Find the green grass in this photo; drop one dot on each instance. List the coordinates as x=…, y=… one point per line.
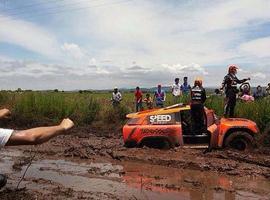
x=258, y=111
x=84, y=108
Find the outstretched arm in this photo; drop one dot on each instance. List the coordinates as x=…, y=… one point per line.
x=242, y=81
x=38, y=135
x=4, y=113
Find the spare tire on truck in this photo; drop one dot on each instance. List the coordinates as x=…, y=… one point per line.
x=239, y=140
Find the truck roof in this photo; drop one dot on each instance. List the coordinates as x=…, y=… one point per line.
x=160, y=111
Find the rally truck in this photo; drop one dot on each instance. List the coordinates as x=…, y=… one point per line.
x=172, y=126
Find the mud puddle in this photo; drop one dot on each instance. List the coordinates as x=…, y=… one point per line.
x=129, y=180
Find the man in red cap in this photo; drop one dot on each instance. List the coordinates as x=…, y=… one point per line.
x=230, y=84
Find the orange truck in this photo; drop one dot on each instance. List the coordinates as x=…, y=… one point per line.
x=172, y=126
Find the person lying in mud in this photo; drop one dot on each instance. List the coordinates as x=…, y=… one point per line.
x=9, y=137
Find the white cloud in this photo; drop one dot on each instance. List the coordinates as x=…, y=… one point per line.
x=203, y=32
x=130, y=42
x=259, y=75
x=258, y=47
x=73, y=50
x=235, y=14
x=92, y=61
x=29, y=36
x=9, y=68
x=184, y=69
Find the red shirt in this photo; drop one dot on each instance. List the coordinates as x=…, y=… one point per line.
x=138, y=95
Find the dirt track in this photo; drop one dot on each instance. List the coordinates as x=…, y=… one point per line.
x=84, y=165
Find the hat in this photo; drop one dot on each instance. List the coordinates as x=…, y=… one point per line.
x=232, y=67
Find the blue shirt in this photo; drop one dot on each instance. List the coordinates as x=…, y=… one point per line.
x=159, y=96
x=185, y=88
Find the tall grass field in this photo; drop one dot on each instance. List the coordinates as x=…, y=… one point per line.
x=86, y=107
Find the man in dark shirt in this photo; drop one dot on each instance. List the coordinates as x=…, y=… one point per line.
x=198, y=97
x=230, y=85
x=259, y=93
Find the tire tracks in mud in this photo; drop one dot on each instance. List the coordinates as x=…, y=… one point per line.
x=243, y=157
x=230, y=163
x=85, y=145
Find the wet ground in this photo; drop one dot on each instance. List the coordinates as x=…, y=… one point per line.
x=88, y=166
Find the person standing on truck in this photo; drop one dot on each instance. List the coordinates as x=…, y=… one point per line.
x=176, y=91
x=230, y=85
x=159, y=97
x=198, y=97
x=34, y=136
x=138, y=99
x=116, y=97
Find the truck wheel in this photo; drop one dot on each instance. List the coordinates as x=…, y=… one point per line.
x=130, y=144
x=239, y=140
x=157, y=143
x=167, y=145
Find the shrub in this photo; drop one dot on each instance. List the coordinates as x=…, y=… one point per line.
x=115, y=114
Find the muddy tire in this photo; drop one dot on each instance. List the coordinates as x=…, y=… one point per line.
x=239, y=140
x=130, y=144
x=167, y=145
x=157, y=143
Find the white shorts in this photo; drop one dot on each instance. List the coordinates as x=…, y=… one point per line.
x=4, y=136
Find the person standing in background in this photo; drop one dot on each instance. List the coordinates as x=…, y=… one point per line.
x=176, y=91
x=148, y=101
x=159, y=97
x=268, y=90
x=138, y=99
x=185, y=87
x=116, y=97
x=258, y=94
x=185, y=90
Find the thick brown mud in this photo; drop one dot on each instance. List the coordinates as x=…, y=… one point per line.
x=86, y=166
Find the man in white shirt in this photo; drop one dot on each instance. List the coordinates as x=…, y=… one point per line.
x=116, y=97
x=9, y=137
x=268, y=90
x=176, y=91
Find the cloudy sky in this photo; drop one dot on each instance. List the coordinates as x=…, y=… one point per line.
x=99, y=44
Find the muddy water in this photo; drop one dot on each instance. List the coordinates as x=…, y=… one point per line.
x=130, y=180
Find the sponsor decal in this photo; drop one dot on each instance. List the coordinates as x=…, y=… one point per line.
x=157, y=131
x=161, y=119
